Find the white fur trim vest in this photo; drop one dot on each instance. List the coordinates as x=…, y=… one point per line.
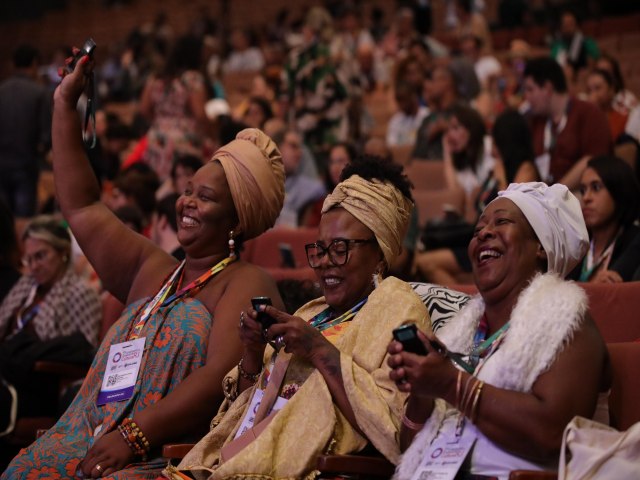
x=545, y=317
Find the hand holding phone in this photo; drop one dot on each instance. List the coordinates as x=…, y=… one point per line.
x=265, y=320
x=407, y=335
x=87, y=49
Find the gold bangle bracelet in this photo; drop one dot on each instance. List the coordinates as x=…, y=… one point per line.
x=411, y=425
x=473, y=416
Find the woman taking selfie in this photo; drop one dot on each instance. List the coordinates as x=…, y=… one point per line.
x=325, y=387
x=174, y=352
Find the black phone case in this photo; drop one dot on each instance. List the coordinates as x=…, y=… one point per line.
x=408, y=337
x=263, y=318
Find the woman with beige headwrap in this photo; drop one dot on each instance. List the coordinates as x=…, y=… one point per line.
x=322, y=385
x=158, y=373
x=529, y=358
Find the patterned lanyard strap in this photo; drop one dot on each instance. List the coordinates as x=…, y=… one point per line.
x=162, y=298
x=483, y=347
x=325, y=319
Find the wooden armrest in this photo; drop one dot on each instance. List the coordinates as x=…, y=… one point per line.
x=61, y=369
x=176, y=450
x=532, y=475
x=356, y=464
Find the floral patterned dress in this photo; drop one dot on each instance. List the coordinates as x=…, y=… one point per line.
x=176, y=344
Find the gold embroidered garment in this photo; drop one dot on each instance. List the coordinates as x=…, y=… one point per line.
x=310, y=424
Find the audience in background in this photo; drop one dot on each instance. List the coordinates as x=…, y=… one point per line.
x=25, y=132
x=243, y=56
x=601, y=92
x=173, y=101
x=571, y=46
x=566, y=131
x=301, y=191
x=441, y=94
x=404, y=124
x=49, y=314
x=610, y=200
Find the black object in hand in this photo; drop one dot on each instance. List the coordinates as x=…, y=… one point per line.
x=263, y=318
x=87, y=49
x=407, y=335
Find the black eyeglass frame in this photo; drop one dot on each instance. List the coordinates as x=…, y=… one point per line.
x=329, y=250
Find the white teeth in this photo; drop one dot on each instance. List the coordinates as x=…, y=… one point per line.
x=331, y=281
x=488, y=253
x=189, y=221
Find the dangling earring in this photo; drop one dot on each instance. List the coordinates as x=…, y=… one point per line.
x=377, y=278
x=232, y=245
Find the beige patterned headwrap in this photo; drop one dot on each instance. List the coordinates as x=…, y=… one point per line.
x=253, y=166
x=379, y=206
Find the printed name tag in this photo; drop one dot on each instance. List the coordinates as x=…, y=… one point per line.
x=250, y=416
x=445, y=456
x=121, y=372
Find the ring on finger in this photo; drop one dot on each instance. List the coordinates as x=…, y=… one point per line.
x=280, y=343
x=241, y=319
x=98, y=467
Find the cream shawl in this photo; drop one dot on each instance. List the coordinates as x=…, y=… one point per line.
x=547, y=314
x=310, y=424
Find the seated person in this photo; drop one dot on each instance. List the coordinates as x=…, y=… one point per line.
x=527, y=366
x=171, y=305
x=331, y=377
x=300, y=190
x=512, y=158
x=610, y=200
x=49, y=303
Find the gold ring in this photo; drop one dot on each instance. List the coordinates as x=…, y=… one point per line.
x=98, y=467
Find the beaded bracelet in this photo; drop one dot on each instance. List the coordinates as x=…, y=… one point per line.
x=251, y=377
x=134, y=438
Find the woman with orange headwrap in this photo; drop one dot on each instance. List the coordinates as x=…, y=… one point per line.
x=325, y=380
x=166, y=355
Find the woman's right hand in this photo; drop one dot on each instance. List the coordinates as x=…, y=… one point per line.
x=428, y=375
x=251, y=333
x=73, y=84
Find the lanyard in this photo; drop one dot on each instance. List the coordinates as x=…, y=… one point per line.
x=161, y=300
x=23, y=319
x=483, y=348
x=551, y=134
x=323, y=320
x=589, y=265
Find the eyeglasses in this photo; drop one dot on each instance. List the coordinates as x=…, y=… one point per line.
x=38, y=257
x=338, y=251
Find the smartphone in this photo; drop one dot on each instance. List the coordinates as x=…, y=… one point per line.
x=286, y=254
x=87, y=49
x=263, y=318
x=407, y=335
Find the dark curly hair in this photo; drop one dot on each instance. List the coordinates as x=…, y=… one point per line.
x=370, y=167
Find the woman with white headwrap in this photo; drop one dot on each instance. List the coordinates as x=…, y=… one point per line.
x=324, y=386
x=528, y=356
x=115, y=427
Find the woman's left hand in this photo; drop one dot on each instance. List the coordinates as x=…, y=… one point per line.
x=294, y=334
x=108, y=455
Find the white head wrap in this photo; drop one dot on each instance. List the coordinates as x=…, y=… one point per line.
x=556, y=217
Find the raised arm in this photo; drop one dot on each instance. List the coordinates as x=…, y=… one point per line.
x=100, y=234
